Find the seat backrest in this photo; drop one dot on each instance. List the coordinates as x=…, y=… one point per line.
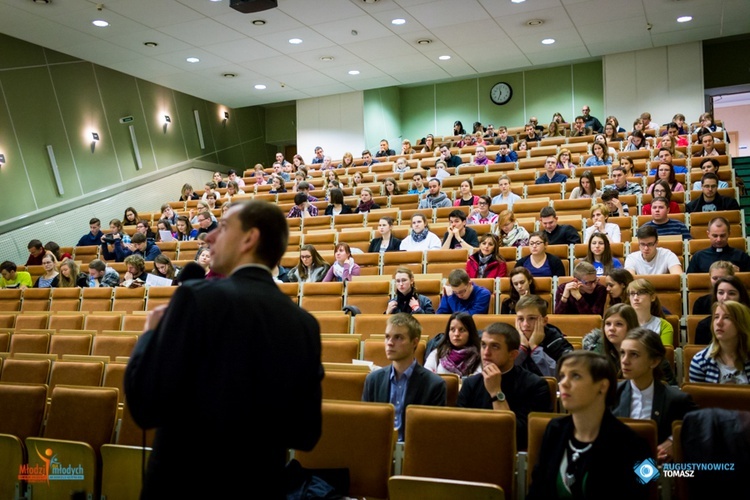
x=26, y=371
x=646, y=429
x=66, y=321
x=85, y=414
x=494, y=447
x=339, y=350
x=114, y=376
x=29, y=343
x=688, y=351
x=134, y=322
x=129, y=299
x=96, y=299
x=22, y=407
x=100, y=322
x=77, y=373
x=31, y=321
x=727, y=396
x=536, y=425
x=343, y=385
x=371, y=297
x=70, y=344
x=113, y=345
x=452, y=383
x=36, y=299
x=409, y=487
x=10, y=299
x=159, y=295
x=332, y=323
x=322, y=296
x=358, y=436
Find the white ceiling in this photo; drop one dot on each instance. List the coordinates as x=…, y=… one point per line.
x=481, y=36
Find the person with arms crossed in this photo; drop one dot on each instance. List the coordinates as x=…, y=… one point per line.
x=405, y=382
x=185, y=355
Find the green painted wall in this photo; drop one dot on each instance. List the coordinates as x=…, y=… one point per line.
x=281, y=125
x=49, y=98
x=542, y=92
x=382, y=109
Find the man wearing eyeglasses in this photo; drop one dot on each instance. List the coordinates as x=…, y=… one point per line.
x=583, y=295
x=651, y=259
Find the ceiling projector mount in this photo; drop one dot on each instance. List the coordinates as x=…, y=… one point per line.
x=250, y=6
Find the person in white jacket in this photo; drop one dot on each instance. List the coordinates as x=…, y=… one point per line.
x=420, y=237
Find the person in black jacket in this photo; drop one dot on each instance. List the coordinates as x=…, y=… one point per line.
x=407, y=299
x=590, y=453
x=337, y=205
x=386, y=242
x=710, y=200
x=557, y=234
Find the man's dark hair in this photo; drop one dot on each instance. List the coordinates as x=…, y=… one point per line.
x=8, y=266
x=501, y=143
x=460, y=214
x=94, y=221
x=661, y=199
x=534, y=301
x=509, y=333
x=300, y=198
x=709, y=175
x=35, y=244
x=609, y=194
x=436, y=180
x=458, y=277
x=599, y=367
x=673, y=125
x=713, y=161
x=619, y=168
x=274, y=231
x=303, y=185
x=547, y=212
x=138, y=238
x=366, y=152
x=663, y=149
x=581, y=117
x=97, y=265
x=647, y=232
x=231, y=171
x=719, y=220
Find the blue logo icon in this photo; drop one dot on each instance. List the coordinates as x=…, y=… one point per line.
x=646, y=471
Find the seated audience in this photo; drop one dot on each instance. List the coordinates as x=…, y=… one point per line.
x=564, y=160
x=502, y=385
x=642, y=297
x=390, y=187
x=539, y=262
x=600, y=156
x=166, y=226
x=71, y=275
x=642, y=395
x=611, y=199
x=663, y=224
x=12, y=278
x=718, y=235
x=302, y=207
x=617, y=283
x=435, y=198
x=343, y=267
x=164, y=268
x=505, y=154
x=723, y=289
x=481, y=214
x=506, y=196
x=466, y=198
x=662, y=190
x=586, y=187
x=404, y=382
x=719, y=269
x=136, y=271
x=144, y=248
x=665, y=171
x=599, y=217
x=583, y=295
x=116, y=245
x=557, y=234
x=458, y=235
x=101, y=275
x=386, y=242
x=312, y=268
x=458, y=349
x=420, y=237
x=710, y=165
x=650, y=258
x=588, y=453
x=94, y=236
x=337, y=205
x=130, y=217
x=203, y=259
x=187, y=193
x=599, y=255
x=710, y=200
x=184, y=230
x=551, y=175
x=366, y=202
x=617, y=321
x=512, y=233
x=407, y=299
x=487, y=262
x=461, y=295
x=521, y=284
x=36, y=253
x=727, y=359
x=542, y=344
x=385, y=150
x=51, y=277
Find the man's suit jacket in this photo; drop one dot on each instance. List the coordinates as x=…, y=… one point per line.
x=424, y=388
x=670, y=404
x=233, y=366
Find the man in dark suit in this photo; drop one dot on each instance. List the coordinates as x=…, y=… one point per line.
x=405, y=382
x=502, y=385
x=194, y=377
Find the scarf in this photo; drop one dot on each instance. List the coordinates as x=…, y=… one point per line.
x=365, y=206
x=514, y=237
x=459, y=360
x=338, y=269
x=417, y=237
x=402, y=301
x=483, y=261
x=434, y=200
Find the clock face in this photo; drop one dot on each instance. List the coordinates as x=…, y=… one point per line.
x=500, y=93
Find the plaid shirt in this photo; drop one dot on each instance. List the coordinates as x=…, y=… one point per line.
x=296, y=211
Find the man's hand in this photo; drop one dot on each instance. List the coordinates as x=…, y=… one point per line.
x=571, y=289
x=447, y=291
x=537, y=336
x=492, y=378
x=391, y=306
x=664, y=451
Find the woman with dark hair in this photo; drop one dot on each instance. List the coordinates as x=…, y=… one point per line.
x=481, y=214
x=277, y=185
x=636, y=141
x=724, y=288
x=487, y=262
x=407, y=299
x=312, y=268
x=557, y=117
x=164, y=268
x=661, y=189
x=642, y=296
x=586, y=187
x=521, y=284
x=617, y=321
x=642, y=395
x=458, y=128
x=458, y=351
x=113, y=244
x=727, y=359
x=539, y=262
x=51, y=277
x=71, y=275
x=610, y=132
x=589, y=453
x=184, y=230
x=390, y=187
x=554, y=130
x=599, y=255
x=665, y=171
x=337, y=205
x=429, y=144
x=466, y=197
x=719, y=269
x=599, y=157
x=187, y=193
x=164, y=225
x=386, y=242
x=617, y=284
x=343, y=267
x=130, y=217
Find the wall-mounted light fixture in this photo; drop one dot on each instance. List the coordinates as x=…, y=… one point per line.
x=94, y=140
x=2, y=159
x=167, y=119
x=226, y=117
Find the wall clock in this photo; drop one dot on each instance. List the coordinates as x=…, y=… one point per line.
x=501, y=93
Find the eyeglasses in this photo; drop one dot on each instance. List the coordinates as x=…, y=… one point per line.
x=535, y=243
x=647, y=245
x=584, y=282
x=305, y=256
x=636, y=294
x=482, y=203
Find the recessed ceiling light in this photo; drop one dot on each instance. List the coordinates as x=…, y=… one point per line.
x=192, y=59
x=260, y=86
x=548, y=41
x=326, y=58
x=150, y=44
x=228, y=75
x=444, y=58
x=517, y=1
x=684, y=19
x=424, y=41
x=534, y=22
x=398, y=21
x=354, y=72
x=100, y=23
x=295, y=41
x=216, y=0
x=259, y=22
